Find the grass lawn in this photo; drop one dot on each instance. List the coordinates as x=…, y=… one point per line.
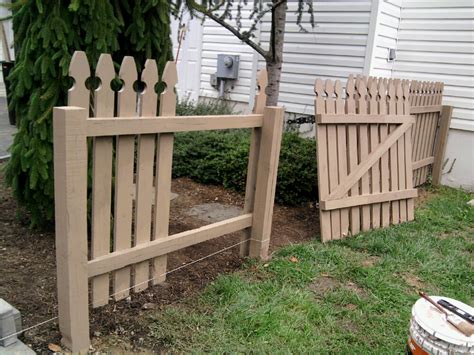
x=351, y=296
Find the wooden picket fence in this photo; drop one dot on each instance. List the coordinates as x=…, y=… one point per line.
x=364, y=155
x=132, y=147
x=430, y=131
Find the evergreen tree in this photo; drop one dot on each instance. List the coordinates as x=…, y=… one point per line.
x=46, y=35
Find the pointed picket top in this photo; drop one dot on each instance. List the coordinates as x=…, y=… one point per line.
x=104, y=98
x=406, y=97
x=149, y=97
x=329, y=88
x=319, y=88
x=373, y=93
x=261, y=96
x=440, y=92
x=338, y=90
x=361, y=96
x=79, y=70
x=127, y=97
x=168, y=97
x=350, y=103
x=382, y=95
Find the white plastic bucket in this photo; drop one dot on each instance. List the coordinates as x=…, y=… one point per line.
x=430, y=333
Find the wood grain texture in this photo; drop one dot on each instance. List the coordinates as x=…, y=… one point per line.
x=162, y=246
x=144, y=175
x=125, y=156
x=70, y=198
x=254, y=150
x=266, y=181
x=164, y=161
x=101, y=214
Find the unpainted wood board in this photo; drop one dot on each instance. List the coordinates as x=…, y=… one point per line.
x=162, y=246
x=352, y=155
x=322, y=158
x=70, y=198
x=144, y=174
x=266, y=182
x=125, y=155
x=152, y=125
x=164, y=161
x=332, y=158
x=101, y=213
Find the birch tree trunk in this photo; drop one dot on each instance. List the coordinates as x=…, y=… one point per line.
x=274, y=60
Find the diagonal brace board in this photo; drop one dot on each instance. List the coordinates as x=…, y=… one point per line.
x=372, y=158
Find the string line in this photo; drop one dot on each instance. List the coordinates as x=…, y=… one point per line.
x=129, y=288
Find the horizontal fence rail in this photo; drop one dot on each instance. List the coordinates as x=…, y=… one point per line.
x=128, y=142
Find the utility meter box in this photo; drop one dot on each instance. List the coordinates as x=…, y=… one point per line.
x=228, y=66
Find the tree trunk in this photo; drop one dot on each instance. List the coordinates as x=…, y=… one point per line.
x=274, y=59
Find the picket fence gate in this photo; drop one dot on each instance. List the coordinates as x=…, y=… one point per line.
x=430, y=130
x=364, y=155
x=130, y=249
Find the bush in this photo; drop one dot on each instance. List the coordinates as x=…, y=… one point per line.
x=221, y=157
x=188, y=107
x=46, y=35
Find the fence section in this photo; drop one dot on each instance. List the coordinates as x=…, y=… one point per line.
x=364, y=155
x=429, y=133
x=131, y=182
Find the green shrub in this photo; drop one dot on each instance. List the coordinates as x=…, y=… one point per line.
x=46, y=35
x=189, y=107
x=221, y=157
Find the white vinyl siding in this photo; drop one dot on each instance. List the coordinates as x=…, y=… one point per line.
x=386, y=29
x=334, y=49
x=436, y=42
x=217, y=40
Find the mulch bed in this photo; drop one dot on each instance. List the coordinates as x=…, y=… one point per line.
x=28, y=273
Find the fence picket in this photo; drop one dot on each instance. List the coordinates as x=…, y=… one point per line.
x=79, y=69
x=332, y=157
x=341, y=154
x=361, y=89
x=164, y=160
x=104, y=104
x=374, y=142
x=352, y=153
x=125, y=155
x=395, y=205
x=401, y=152
x=408, y=153
x=384, y=162
x=144, y=176
x=322, y=153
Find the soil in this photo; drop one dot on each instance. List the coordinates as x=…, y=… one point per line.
x=28, y=272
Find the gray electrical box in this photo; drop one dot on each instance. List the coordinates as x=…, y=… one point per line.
x=227, y=66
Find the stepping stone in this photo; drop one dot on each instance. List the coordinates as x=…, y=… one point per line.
x=214, y=212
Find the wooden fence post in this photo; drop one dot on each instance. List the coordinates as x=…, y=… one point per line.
x=70, y=186
x=268, y=157
x=440, y=150
x=254, y=149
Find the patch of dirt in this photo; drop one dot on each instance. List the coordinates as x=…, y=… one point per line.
x=349, y=326
x=359, y=291
x=323, y=285
x=424, y=195
x=371, y=261
x=28, y=271
x=326, y=283
x=414, y=281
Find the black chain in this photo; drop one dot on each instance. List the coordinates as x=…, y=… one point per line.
x=301, y=120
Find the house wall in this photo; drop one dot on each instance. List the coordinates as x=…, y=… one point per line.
x=334, y=49
x=436, y=42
